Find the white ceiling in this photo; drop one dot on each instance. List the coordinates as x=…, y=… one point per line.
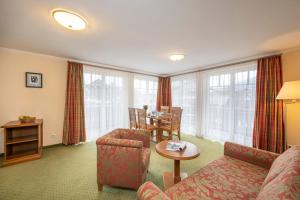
x=141, y=34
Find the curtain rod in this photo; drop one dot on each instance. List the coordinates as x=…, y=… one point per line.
x=226, y=64
x=183, y=73
x=111, y=67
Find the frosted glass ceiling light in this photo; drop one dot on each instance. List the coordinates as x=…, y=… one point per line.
x=176, y=57
x=69, y=20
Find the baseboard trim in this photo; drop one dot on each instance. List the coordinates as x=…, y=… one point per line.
x=52, y=145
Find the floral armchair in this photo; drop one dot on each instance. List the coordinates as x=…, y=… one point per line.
x=123, y=157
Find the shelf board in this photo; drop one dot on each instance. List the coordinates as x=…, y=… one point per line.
x=21, y=154
x=18, y=124
x=17, y=140
x=25, y=157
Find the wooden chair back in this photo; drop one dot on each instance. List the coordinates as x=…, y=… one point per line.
x=132, y=118
x=165, y=109
x=176, y=117
x=142, y=121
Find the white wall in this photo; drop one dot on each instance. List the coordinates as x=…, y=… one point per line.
x=47, y=102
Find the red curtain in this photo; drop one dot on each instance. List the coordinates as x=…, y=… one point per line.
x=164, y=97
x=74, y=123
x=268, y=133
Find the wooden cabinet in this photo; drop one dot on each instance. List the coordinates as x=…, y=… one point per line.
x=22, y=141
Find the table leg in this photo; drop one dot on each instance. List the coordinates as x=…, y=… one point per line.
x=177, y=177
x=171, y=178
x=151, y=121
x=159, y=132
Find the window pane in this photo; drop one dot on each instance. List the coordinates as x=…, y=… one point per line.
x=184, y=96
x=229, y=104
x=106, y=101
x=145, y=92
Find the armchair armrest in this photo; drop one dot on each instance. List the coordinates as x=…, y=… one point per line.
x=119, y=142
x=251, y=155
x=149, y=191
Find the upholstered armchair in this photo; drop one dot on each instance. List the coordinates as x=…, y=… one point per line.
x=123, y=157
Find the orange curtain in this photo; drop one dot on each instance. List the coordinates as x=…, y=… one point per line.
x=74, y=123
x=164, y=97
x=268, y=133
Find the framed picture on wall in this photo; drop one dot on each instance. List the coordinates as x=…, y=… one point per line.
x=34, y=80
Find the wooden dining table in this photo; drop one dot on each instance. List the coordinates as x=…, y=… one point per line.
x=158, y=120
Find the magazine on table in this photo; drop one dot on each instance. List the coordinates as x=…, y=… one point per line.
x=175, y=146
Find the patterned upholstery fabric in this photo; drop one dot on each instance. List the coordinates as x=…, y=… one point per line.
x=282, y=162
x=225, y=178
x=240, y=174
x=149, y=191
x=145, y=157
x=283, y=180
x=251, y=155
x=123, y=158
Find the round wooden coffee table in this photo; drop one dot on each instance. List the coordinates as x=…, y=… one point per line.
x=190, y=152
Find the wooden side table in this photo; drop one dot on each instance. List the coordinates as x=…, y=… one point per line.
x=190, y=152
x=22, y=141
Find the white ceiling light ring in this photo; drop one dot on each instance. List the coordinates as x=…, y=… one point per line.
x=69, y=19
x=176, y=57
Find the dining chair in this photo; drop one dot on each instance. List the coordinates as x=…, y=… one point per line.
x=176, y=109
x=132, y=118
x=142, y=121
x=174, y=124
x=165, y=109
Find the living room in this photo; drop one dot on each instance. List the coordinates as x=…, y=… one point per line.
x=82, y=80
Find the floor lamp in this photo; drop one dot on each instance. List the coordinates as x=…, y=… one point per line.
x=290, y=93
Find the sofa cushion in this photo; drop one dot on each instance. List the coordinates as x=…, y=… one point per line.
x=225, y=178
x=282, y=162
x=286, y=185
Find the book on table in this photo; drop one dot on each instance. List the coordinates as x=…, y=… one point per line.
x=175, y=146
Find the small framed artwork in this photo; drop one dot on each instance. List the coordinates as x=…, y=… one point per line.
x=34, y=80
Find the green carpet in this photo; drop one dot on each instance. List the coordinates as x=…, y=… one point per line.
x=70, y=173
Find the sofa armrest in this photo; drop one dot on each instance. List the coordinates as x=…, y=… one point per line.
x=139, y=135
x=149, y=191
x=251, y=155
x=119, y=142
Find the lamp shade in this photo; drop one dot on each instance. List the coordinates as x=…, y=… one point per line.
x=290, y=90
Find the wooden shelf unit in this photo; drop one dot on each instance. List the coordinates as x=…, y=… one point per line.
x=22, y=141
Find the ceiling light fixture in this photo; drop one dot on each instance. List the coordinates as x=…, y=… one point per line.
x=69, y=20
x=176, y=57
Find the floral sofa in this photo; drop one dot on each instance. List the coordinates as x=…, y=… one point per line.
x=123, y=157
x=242, y=173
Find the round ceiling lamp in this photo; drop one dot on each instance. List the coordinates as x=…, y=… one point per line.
x=176, y=57
x=69, y=20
